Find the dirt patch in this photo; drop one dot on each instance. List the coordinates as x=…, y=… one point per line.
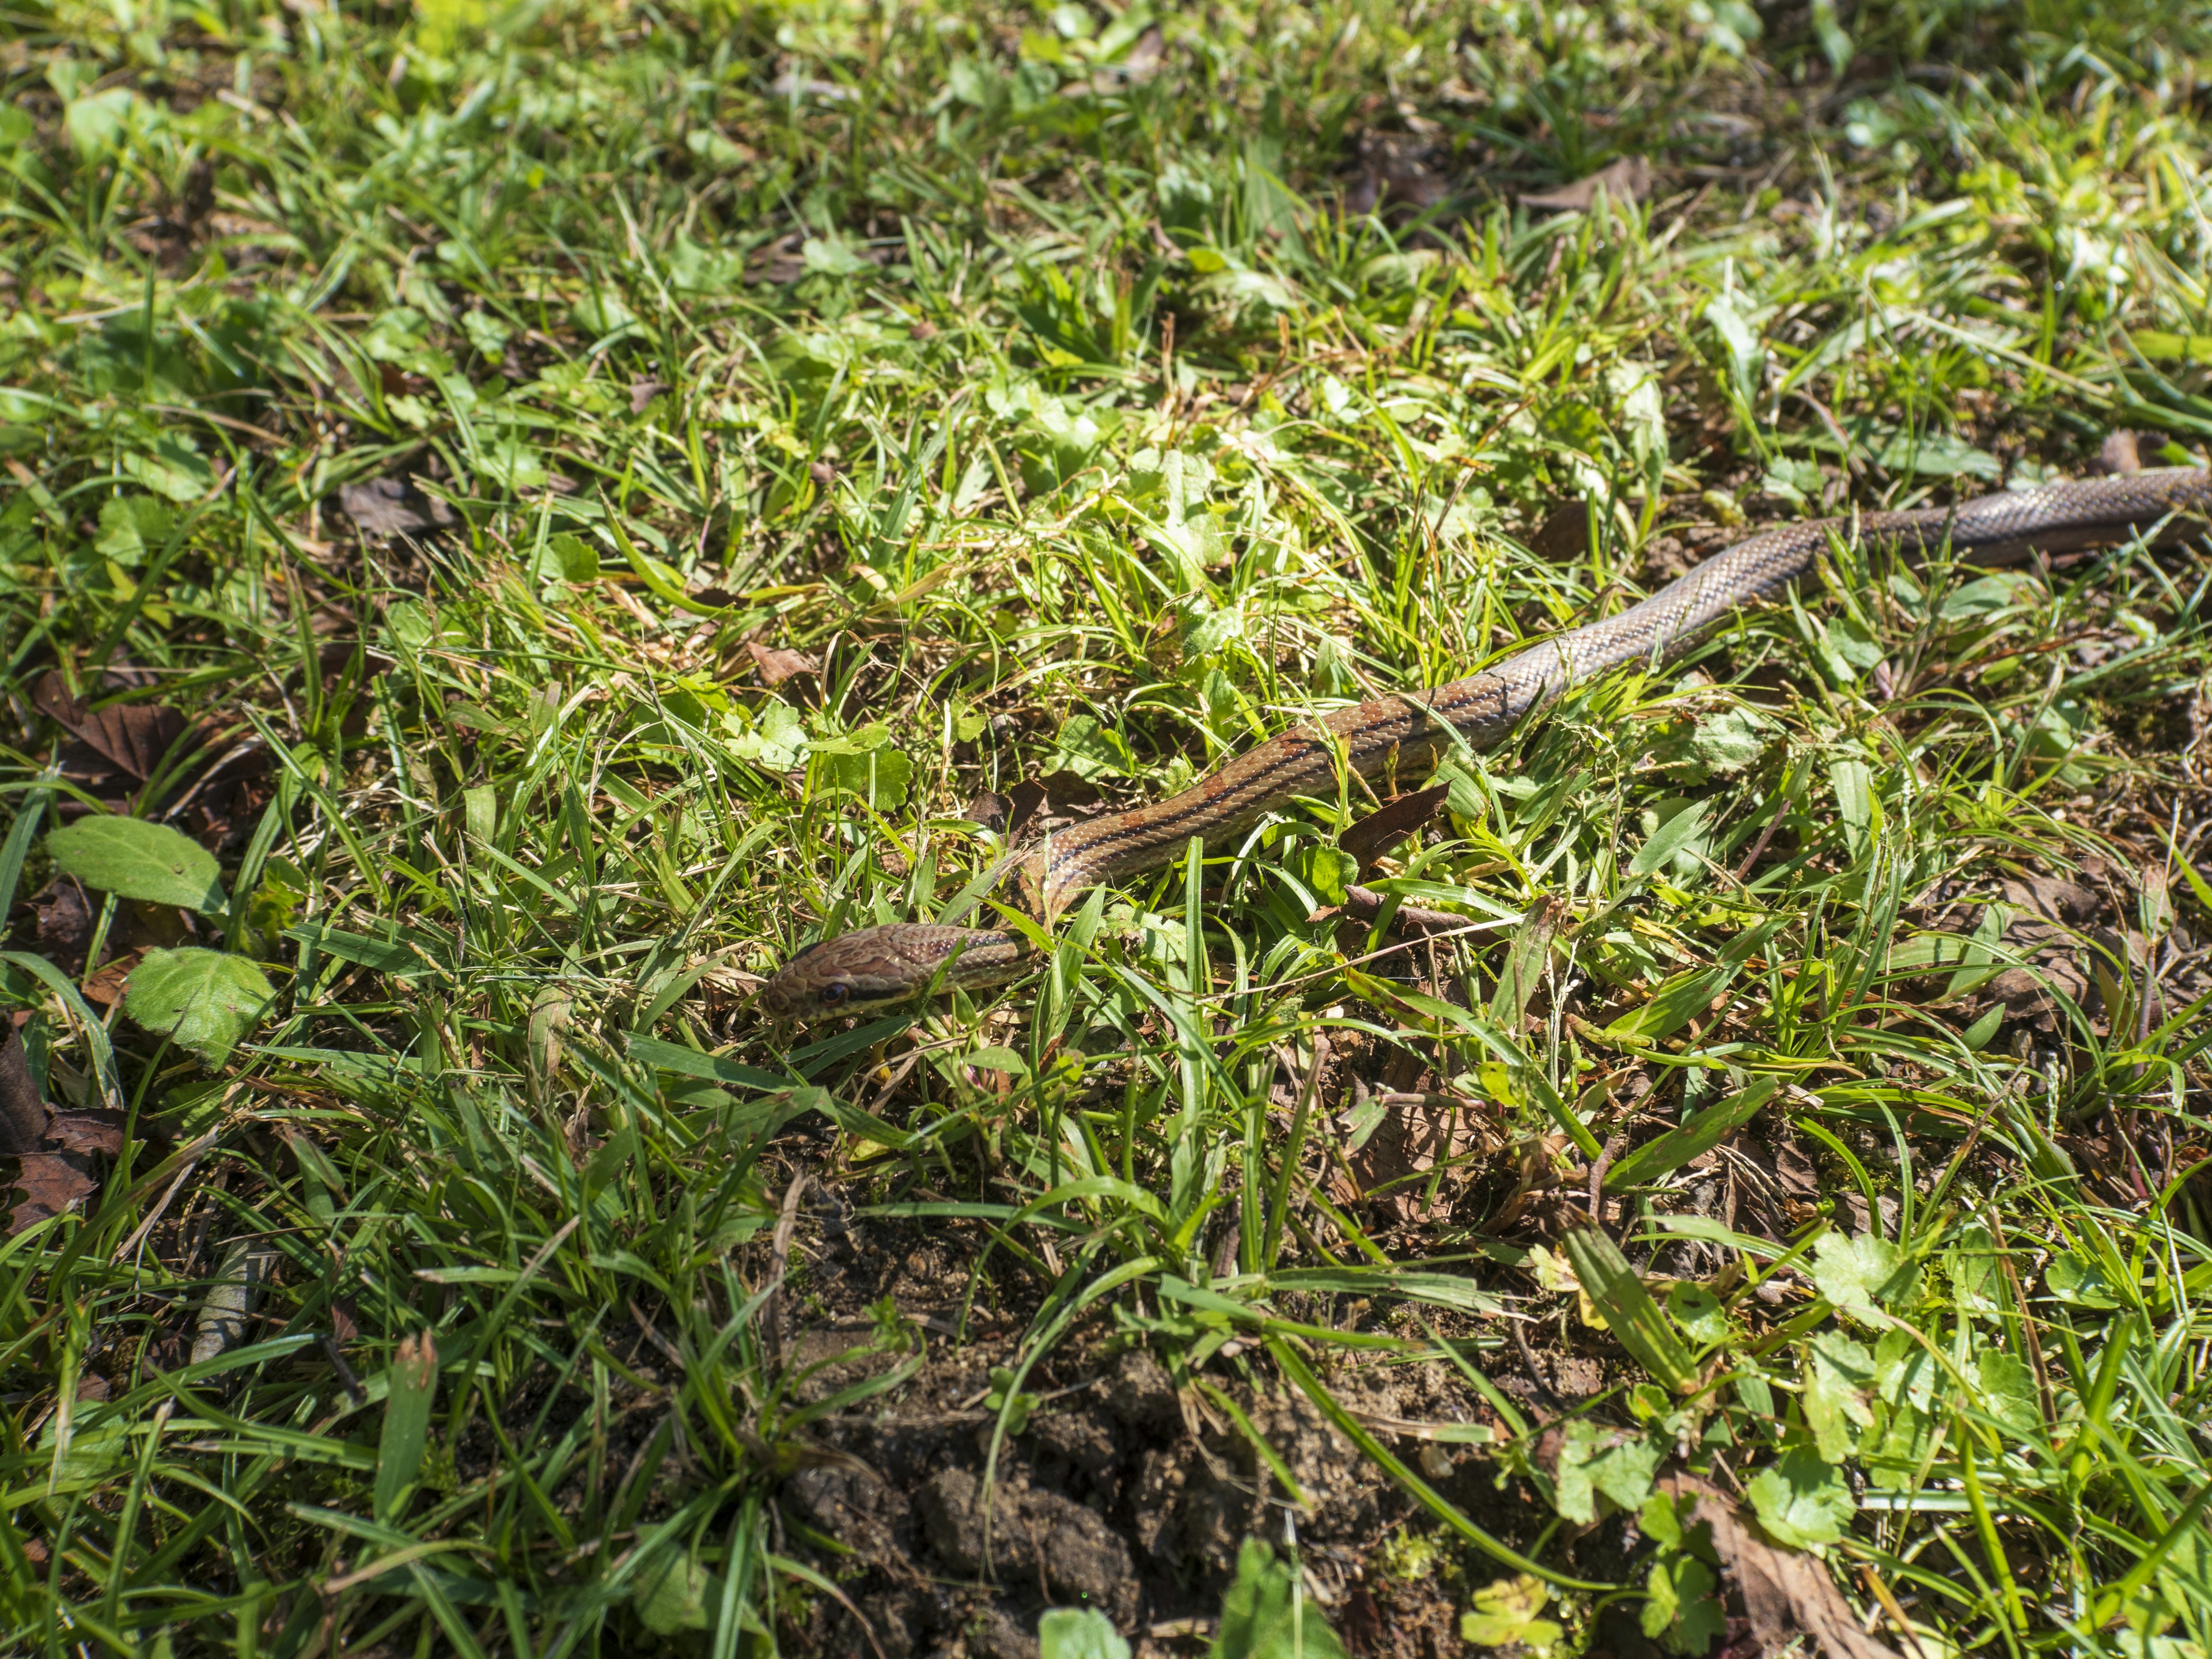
x=1121, y=1491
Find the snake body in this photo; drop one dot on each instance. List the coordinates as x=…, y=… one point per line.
x=875, y=966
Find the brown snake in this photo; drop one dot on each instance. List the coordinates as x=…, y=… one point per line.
x=876, y=966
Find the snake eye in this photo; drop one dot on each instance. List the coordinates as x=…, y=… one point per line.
x=835, y=992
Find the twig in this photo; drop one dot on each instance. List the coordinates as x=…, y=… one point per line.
x=779, y=1260
x=1528, y=1363
x=1613, y=1148
x=1750, y=859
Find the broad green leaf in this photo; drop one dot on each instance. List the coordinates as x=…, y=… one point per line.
x=1594, y=1459
x=1680, y=833
x=2079, y=1281
x=570, y=557
x=672, y=1595
x=1906, y=1373
x=1896, y=1455
x=776, y=736
x=1505, y=1614
x=1701, y=1133
x=129, y=525
x=1938, y=455
x=1803, y=1500
x=1747, y=358
x=1078, y=1633
x=1971, y=1265
x=1265, y=1614
x=170, y=469
x=2003, y=1386
x=205, y=1000
x=1699, y=1312
x=1630, y=1313
x=601, y=313
x=136, y=859
x=1683, y=1611
x=864, y=763
x=1090, y=749
x=98, y=123
x=1856, y=1274
x=1838, y=1375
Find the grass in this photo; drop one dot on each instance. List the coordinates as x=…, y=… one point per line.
x=1084, y=397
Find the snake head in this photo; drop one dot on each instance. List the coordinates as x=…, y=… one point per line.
x=843, y=975
x=880, y=967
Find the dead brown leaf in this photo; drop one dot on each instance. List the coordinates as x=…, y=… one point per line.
x=781, y=261
x=336, y=657
x=94, y=1130
x=132, y=736
x=1630, y=178
x=1049, y=797
x=774, y=666
x=1563, y=536
x=107, y=987
x=393, y=506
x=22, y=1113
x=50, y=1183
x=1417, y=1133
x=1785, y=1593
x=1391, y=823
x=2118, y=453
x=2054, y=899
x=64, y=920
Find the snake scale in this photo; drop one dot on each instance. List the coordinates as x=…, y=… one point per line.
x=875, y=966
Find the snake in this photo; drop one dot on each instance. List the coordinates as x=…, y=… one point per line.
x=875, y=966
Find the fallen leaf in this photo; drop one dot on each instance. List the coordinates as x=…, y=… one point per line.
x=1785, y=1593
x=1391, y=823
x=65, y=919
x=1396, y=171
x=393, y=506
x=642, y=394
x=775, y=666
x=338, y=656
x=50, y=1183
x=133, y=736
x=1048, y=797
x=1563, y=536
x=1628, y=179
x=1795, y=1172
x=1405, y=1137
x=2054, y=899
x=96, y=1130
x=989, y=810
x=781, y=261
x=22, y=1113
x=107, y=987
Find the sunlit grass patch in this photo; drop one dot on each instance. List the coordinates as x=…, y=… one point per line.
x=519, y=521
